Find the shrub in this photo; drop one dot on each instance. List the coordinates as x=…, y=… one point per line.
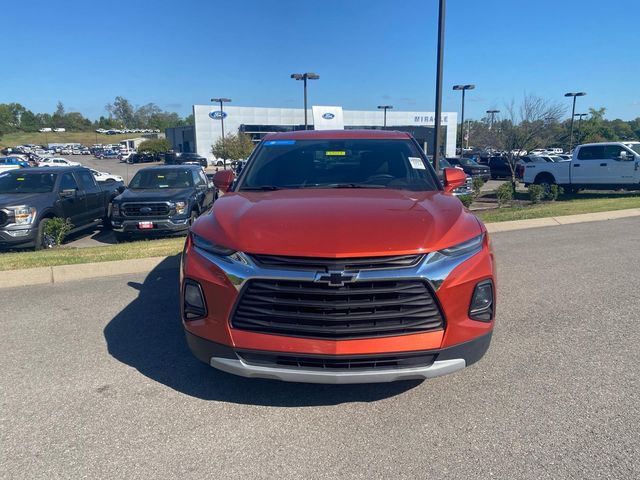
x=58, y=228
x=536, y=193
x=554, y=192
x=466, y=200
x=477, y=186
x=155, y=145
x=504, y=193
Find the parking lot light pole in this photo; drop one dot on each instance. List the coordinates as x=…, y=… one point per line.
x=493, y=117
x=573, y=113
x=221, y=101
x=304, y=77
x=385, y=108
x=464, y=88
x=439, y=60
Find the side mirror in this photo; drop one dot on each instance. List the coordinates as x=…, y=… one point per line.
x=223, y=180
x=69, y=193
x=453, y=178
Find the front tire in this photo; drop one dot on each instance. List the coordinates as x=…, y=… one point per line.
x=122, y=237
x=44, y=241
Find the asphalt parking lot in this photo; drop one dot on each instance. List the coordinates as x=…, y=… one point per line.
x=97, y=382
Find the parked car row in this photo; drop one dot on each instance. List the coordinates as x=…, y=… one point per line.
x=117, y=131
x=159, y=200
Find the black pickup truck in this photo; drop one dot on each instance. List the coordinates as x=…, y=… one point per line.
x=30, y=197
x=161, y=200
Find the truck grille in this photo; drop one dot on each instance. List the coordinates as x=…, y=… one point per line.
x=145, y=209
x=356, y=310
x=383, y=361
x=4, y=218
x=313, y=263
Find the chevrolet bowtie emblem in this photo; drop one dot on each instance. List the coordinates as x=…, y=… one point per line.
x=336, y=278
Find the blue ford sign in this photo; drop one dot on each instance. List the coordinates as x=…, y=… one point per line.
x=217, y=114
x=328, y=116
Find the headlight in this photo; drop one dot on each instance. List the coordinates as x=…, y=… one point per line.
x=463, y=248
x=211, y=247
x=181, y=207
x=23, y=215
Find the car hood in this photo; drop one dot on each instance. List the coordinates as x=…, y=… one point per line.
x=337, y=223
x=11, y=199
x=155, y=195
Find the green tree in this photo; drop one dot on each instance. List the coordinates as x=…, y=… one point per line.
x=122, y=111
x=58, y=116
x=233, y=147
x=157, y=145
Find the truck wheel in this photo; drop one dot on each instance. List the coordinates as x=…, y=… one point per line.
x=193, y=217
x=545, y=181
x=43, y=240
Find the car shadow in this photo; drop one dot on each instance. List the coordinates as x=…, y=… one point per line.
x=148, y=336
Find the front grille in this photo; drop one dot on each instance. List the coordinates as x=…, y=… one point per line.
x=4, y=218
x=355, y=310
x=155, y=209
x=313, y=263
x=384, y=361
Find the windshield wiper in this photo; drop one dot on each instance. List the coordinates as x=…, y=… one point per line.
x=260, y=188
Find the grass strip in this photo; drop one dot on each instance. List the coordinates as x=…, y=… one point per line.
x=571, y=206
x=70, y=256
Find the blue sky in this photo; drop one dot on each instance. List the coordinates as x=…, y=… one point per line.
x=367, y=52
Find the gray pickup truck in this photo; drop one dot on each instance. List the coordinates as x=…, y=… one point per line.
x=30, y=197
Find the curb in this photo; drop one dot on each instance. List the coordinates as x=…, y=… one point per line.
x=84, y=271
x=561, y=220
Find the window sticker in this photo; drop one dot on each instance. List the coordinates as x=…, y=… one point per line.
x=275, y=143
x=417, y=163
x=335, y=153
x=20, y=179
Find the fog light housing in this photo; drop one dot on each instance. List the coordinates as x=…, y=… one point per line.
x=194, y=306
x=481, y=307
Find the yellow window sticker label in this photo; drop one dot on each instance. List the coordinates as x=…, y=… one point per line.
x=20, y=179
x=335, y=153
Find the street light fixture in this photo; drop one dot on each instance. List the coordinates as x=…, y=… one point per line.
x=385, y=108
x=439, y=60
x=493, y=117
x=573, y=113
x=304, y=77
x=579, y=115
x=221, y=101
x=464, y=88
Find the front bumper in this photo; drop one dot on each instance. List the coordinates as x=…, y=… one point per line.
x=160, y=225
x=446, y=361
x=18, y=238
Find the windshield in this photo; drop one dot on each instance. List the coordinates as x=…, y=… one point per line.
x=350, y=163
x=20, y=182
x=467, y=162
x=178, y=178
x=634, y=146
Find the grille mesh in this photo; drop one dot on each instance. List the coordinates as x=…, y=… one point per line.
x=355, y=310
x=358, y=263
x=155, y=209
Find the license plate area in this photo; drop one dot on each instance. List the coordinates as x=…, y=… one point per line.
x=145, y=225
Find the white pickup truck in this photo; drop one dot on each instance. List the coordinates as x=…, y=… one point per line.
x=593, y=166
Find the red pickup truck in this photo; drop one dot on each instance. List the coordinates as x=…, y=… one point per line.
x=338, y=257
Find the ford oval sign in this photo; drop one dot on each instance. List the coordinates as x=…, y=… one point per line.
x=218, y=115
x=328, y=116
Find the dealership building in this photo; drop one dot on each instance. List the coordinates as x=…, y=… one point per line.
x=258, y=122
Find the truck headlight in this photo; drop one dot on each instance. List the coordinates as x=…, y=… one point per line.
x=23, y=215
x=181, y=207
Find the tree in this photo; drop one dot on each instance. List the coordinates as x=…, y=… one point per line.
x=122, y=111
x=233, y=147
x=58, y=116
x=157, y=145
x=531, y=125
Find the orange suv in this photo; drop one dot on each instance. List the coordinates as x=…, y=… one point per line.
x=338, y=257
